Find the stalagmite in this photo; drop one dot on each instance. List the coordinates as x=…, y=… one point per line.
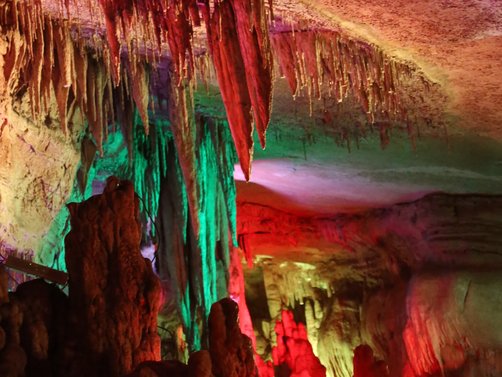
x=231, y=351
x=236, y=291
x=365, y=364
x=293, y=352
x=114, y=294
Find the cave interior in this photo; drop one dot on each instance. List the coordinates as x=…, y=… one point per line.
x=237, y=188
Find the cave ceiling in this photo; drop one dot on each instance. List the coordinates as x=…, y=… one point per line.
x=456, y=44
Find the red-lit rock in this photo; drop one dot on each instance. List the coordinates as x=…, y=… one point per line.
x=294, y=351
x=435, y=323
x=32, y=327
x=42, y=333
x=236, y=291
x=231, y=72
x=451, y=323
x=199, y=365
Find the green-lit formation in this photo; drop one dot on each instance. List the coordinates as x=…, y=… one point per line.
x=195, y=265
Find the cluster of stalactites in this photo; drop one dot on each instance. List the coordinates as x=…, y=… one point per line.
x=328, y=64
x=44, y=58
x=198, y=269
x=106, y=77
x=238, y=40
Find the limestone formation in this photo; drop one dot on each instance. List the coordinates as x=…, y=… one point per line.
x=114, y=295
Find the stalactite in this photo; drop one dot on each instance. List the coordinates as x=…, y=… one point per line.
x=182, y=119
x=53, y=66
x=328, y=64
x=111, y=13
x=249, y=56
x=252, y=30
x=140, y=91
x=63, y=71
x=124, y=108
x=101, y=78
x=230, y=71
x=149, y=165
x=179, y=35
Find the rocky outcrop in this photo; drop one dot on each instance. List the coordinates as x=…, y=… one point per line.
x=199, y=365
x=108, y=324
x=453, y=323
x=439, y=229
x=230, y=352
x=36, y=174
x=365, y=364
x=37, y=339
x=44, y=310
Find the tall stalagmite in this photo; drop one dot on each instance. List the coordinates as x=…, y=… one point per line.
x=114, y=294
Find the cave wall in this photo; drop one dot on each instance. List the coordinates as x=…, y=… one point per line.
x=454, y=323
x=37, y=170
x=416, y=281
